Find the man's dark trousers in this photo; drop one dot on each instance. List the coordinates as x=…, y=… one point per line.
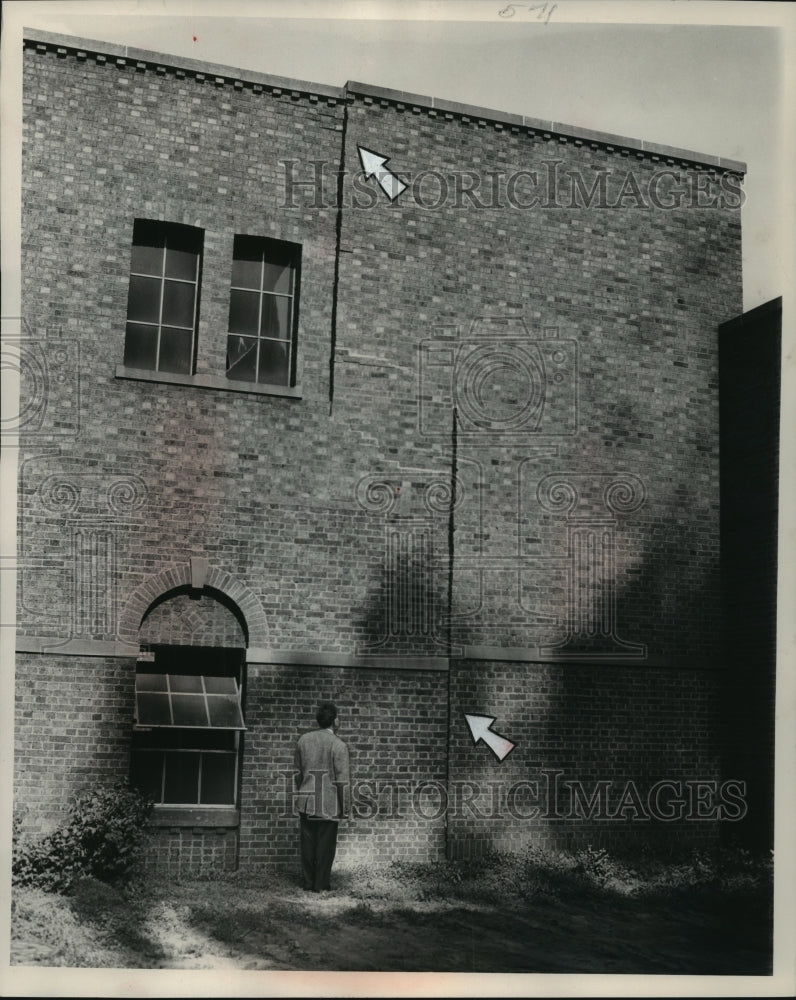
x=318, y=846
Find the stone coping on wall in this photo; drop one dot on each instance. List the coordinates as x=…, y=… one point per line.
x=547, y=129
x=464, y=656
x=144, y=60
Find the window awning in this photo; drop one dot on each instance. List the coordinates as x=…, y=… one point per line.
x=187, y=701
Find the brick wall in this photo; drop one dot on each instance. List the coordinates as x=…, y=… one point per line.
x=635, y=293
x=180, y=853
x=365, y=518
x=73, y=720
x=628, y=728
x=394, y=722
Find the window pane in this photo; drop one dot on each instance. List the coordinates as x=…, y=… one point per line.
x=278, y=277
x=140, y=346
x=186, y=238
x=243, y=309
x=224, y=711
x=147, y=259
x=241, y=358
x=189, y=710
x=274, y=366
x=167, y=738
x=180, y=263
x=246, y=273
x=175, y=350
x=221, y=685
x=218, y=780
x=153, y=709
x=185, y=683
x=150, y=682
x=178, y=299
x=276, y=317
x=143, y=299
x=216, y=739
x=182, y=778
x=146, y=772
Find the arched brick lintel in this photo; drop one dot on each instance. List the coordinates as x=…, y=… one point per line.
x=179, y=575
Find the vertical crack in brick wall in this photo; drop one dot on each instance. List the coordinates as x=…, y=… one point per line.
x=338, y=227
x=449, y=628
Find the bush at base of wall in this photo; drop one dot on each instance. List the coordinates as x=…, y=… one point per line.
x=100, y=839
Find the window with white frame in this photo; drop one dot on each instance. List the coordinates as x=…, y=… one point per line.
x=186, y=745
x=163, y=297
x=263, y=311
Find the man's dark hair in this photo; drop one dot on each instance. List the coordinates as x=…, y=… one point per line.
x=327, y=713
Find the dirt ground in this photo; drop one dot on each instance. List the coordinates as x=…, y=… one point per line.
x=497, y=917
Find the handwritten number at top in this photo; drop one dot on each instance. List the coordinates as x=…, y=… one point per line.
x=544, y=11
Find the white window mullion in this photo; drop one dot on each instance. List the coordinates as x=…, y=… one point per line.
x=204, y=702
x=171, y=707
x=259, y=318
x=194, y=330
x=290, y=326
x=160, y=308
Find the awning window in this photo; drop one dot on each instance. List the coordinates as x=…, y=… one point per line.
x=187, y=701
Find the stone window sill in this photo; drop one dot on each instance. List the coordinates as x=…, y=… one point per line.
x=207, y=382
x=195, y=816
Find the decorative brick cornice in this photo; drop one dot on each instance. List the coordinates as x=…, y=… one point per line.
x=285, y=88
x=125, y=57
x=543, y=130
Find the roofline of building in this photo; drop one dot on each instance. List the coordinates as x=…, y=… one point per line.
x=144, y=59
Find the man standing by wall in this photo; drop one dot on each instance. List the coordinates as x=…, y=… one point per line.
x=322, y=782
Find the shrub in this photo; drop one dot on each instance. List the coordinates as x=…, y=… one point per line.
x=100, y=839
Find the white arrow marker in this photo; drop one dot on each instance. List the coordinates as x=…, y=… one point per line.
x=373, y=164
x=480, y=729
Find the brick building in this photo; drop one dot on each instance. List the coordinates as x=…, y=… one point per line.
x=429, y=443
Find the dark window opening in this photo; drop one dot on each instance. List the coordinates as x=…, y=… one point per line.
x=163, y=298
x=263, y=311
x=187, y=732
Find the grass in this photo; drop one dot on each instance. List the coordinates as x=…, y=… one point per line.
x=536, y=912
